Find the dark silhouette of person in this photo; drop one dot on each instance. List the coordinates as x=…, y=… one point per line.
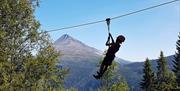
x=110, y=55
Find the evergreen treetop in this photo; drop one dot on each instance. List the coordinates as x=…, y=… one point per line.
x=148, y=81
x=176, y=62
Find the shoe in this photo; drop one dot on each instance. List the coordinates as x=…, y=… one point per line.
x=96, y=76
x=99, y=74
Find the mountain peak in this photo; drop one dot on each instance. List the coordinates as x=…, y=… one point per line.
x=67, y=40
x=70, y=45
x=65, y=36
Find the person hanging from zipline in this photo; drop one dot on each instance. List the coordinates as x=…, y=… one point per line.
x=110, y=55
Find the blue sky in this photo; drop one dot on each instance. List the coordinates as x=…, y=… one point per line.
x=147, y=33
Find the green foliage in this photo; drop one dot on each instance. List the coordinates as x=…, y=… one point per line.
x=103, y=89
x=176, y=65
x=120, y=86
x=165, y=78
x=148, y=81
x=28, y=60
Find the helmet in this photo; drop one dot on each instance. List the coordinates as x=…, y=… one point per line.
x=121, y=38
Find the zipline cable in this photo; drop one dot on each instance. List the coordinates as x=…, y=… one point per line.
x=144, y=9
x=123, y=15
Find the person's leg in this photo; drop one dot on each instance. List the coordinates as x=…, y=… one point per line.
x=108, y=63
x=104, y=65
x=104, y=70
x=101, y=68
x=98, y=76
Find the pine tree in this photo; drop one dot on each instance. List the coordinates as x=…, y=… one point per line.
x=148, y=81
x=165, y=78
x=176, y=65
x=28, y=61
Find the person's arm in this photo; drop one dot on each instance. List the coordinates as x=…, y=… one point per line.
x=111, y=38
x=107, y=43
